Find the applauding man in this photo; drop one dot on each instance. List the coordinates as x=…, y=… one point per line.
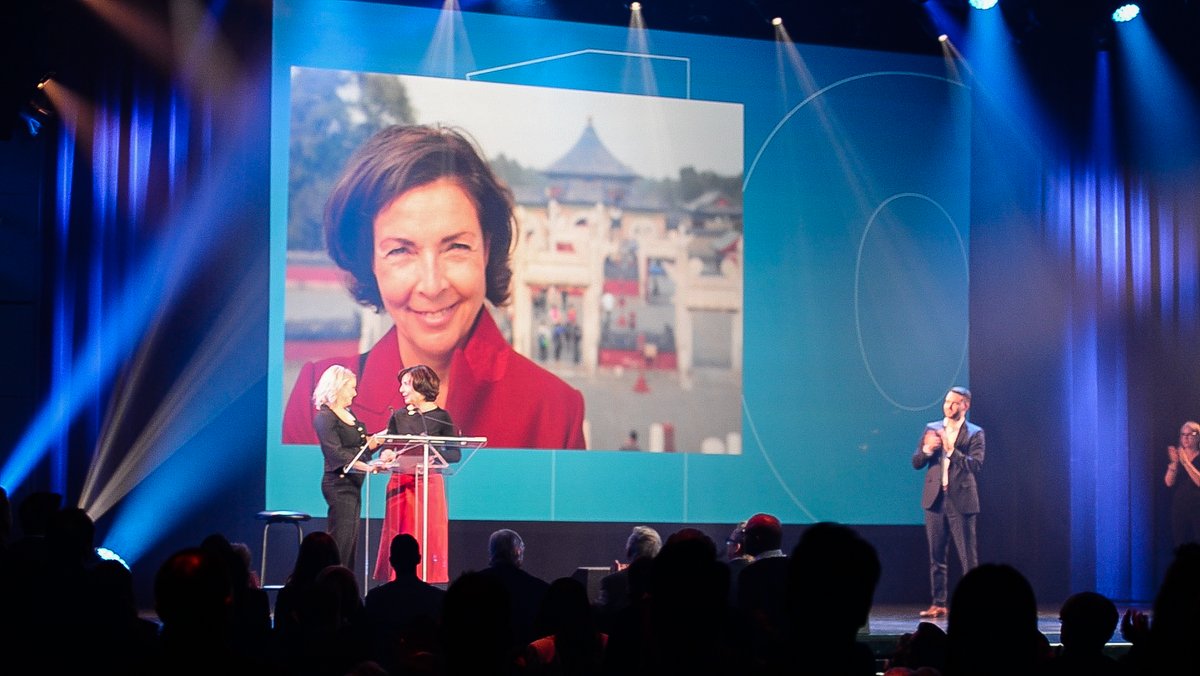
x=951, y=453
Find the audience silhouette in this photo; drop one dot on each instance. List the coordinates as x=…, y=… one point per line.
x=402, y=615
x=993, y=625
x=643, y=543
x=1164, y=645
x=213, y=617
x=1088, y=622
x=317, y=552
x=476, y=633
x=506, y=554
x=570, y=645
x=831, y=579
x=924, y=649
x=761, y=583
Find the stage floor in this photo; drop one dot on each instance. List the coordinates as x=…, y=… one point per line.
x=889, y=622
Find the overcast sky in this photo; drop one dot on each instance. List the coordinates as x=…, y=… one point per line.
x=656, y=137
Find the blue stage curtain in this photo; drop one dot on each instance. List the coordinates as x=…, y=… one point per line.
x=1129, y=361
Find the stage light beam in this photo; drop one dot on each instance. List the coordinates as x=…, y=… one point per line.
x=983, y=4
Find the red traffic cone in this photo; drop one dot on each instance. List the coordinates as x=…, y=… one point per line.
x=640, y=385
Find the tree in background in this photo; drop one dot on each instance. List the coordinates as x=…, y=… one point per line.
x=333, y=113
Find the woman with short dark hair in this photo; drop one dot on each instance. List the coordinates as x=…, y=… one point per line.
x=425, y=230
x=420, y=416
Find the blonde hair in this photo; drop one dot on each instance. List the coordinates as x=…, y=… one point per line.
x=330, y=383
x=1193, y=425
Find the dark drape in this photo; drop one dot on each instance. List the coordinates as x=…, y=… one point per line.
x=1085, y=346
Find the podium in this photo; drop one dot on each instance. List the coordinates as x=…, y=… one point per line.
x=421, y=456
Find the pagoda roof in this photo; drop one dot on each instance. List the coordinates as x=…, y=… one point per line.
x=590, y=157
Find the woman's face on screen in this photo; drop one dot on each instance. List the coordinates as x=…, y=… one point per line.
x=430, y=261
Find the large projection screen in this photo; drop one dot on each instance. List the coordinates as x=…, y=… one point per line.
x=752, y=255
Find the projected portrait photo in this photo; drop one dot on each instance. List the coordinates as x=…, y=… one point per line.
x=569, y=262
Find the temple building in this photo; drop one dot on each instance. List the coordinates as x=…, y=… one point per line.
x=609, y=271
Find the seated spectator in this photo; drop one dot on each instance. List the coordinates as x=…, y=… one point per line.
x=643, y=543
x=243, y=552
x=116, y=640
x=250, y=608
x=1088, y=622
x=1165, y=646
x=571, y=645
x=688, y=625
x=760, y=585
x=506, y=555
x=475, y=636
x=736, y=556
x=191, y=597
x=831, y=579
x=317, y=552
x=993, y=624
x=330, y=632
x=923, y=649
x=33, y=518
x=402, y=615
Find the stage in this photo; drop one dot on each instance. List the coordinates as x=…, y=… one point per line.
x=889, y=622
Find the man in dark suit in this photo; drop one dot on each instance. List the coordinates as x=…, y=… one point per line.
x=761, y=584
x=643, y=542
x=404, y=612
x=951, y=453
x=506, y=553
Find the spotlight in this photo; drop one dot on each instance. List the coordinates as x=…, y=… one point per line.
x=109, y=555
x=635, y=7
x=1126, y=13
x=943, y=37
x=777, y=21
x=36, y=112
x=983, y=4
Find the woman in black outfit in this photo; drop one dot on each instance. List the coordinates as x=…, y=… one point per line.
x=419, y=385
x=1185, y=502
x=342, y=437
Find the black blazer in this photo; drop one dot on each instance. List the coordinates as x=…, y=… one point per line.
x=339, y=442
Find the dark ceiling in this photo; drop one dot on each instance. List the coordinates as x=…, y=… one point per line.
x=889, y=25
x=1057, y=39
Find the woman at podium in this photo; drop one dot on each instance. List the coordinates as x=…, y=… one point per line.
x=342, y=437
x=421, y=415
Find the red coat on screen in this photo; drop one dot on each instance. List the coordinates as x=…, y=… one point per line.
x=493, y=392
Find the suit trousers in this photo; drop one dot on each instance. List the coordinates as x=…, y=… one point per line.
x=942, y=526
x=343, y=494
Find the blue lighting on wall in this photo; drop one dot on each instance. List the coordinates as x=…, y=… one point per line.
x=200, y=460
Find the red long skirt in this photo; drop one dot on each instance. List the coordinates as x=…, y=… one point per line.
x=403, y=515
